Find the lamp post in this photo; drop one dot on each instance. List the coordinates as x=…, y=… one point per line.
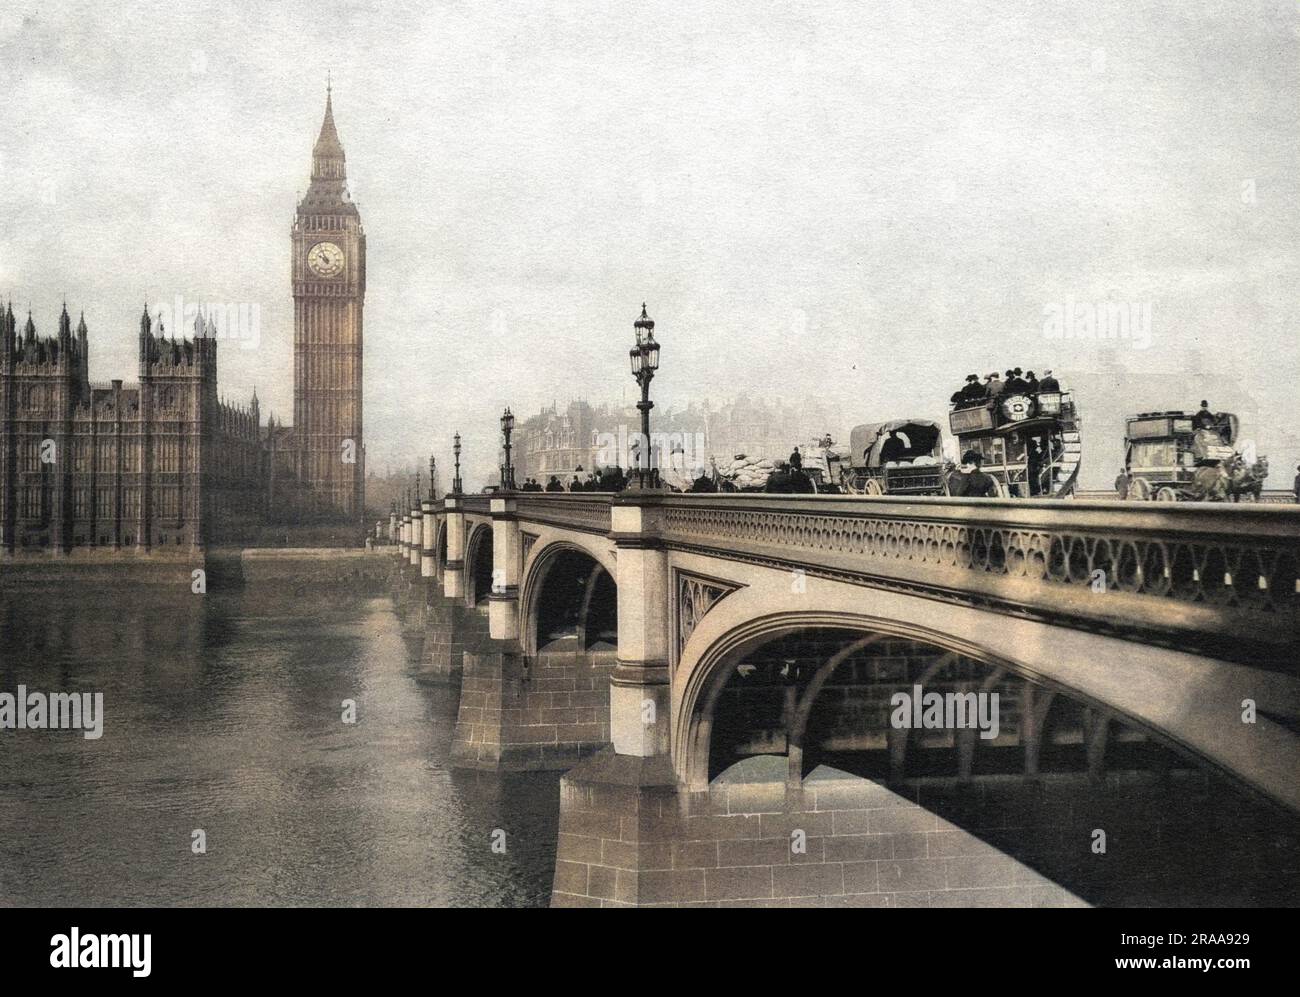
x=507, y=469
x=645, y=361
x=455, y=449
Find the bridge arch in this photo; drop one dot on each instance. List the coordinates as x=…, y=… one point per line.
x=1180, y=700
x=478, y=564
x=568, y=585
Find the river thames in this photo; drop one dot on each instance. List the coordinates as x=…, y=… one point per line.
x=223, y=713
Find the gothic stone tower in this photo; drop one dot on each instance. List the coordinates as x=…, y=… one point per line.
x=329, y=289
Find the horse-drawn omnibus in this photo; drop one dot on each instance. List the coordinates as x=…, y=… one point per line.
x=1029, y=442
x=1168, y=458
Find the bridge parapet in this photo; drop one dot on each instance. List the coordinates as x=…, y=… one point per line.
x=588, y=512
x=1213, y=577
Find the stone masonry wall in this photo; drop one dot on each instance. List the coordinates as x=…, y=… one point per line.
x=448, y=628
x=545, y=714
x=629, y=838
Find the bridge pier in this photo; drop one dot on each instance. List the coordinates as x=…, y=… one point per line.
x=448, y=628
x=519, y=711
x=615, y=840
x=638, y=688
x=417, y=524
x=453, y=571
x=503, y=602
x=544, y=713
x=428, y=537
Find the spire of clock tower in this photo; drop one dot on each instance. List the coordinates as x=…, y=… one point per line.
x=327, y=159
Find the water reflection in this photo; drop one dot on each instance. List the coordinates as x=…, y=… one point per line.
x=223, y=712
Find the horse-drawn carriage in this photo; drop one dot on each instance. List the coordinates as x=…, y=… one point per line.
x=1029, y=442
x=1173, y=457
x=902, y=457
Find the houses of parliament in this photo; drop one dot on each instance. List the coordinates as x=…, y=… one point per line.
x=164, y=464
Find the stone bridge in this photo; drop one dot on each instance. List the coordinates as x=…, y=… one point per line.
x=719, y=673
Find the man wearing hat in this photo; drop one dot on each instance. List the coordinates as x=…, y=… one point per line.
x=960, y=396
x=1049, y=383
x=1204, y=419
x=994, y=386
x=968, y=481
x=970, y=393
x=1032, y=382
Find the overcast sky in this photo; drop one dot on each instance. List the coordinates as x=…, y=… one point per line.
x=865, y=201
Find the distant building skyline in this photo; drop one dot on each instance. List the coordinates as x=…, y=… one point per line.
x=559, y=439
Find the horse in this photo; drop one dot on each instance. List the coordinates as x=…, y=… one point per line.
x=1246, y=484
x=1211, y=483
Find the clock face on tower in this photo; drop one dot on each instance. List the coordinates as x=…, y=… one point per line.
x=325, y=259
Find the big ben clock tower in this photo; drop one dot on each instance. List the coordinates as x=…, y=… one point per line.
x=329, y=290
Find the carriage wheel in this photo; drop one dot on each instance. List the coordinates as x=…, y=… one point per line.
x=1167, y=494
x=1139, y=490
x=873, y=487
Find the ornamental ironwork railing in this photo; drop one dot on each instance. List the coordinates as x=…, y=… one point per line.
x=1222, y=573
x=1216, y=577
x=587, y=512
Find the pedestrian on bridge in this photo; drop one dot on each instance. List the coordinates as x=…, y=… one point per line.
x=1122, y=484
x=611, y=479
x=968, y=481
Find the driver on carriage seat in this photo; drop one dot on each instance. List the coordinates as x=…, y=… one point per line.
x=1204, y=419
x=893, y=449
